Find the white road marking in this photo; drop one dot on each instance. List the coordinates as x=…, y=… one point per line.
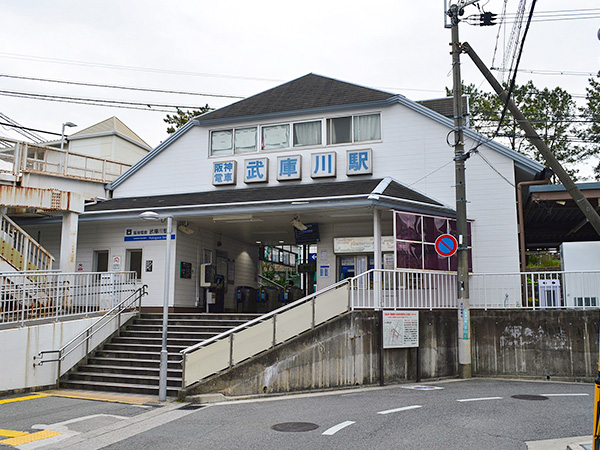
x=565, y=395
x=405, y=408
x=331, y=431
x=478, y=399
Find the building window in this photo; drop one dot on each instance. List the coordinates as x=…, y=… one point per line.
x=276, y=136
x=221, y=142
x=245, y=140
x=367, y=128
x=227, y=142
x=345, y=130
x=307, y=133
x=339, y=130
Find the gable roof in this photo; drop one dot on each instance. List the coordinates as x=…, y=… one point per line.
x=318, y=94
x=112, y=125
x=303, y=94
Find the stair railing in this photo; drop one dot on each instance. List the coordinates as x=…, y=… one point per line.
x=263, y=333
x=19, y=249
x=262, y=279
x=134, y=301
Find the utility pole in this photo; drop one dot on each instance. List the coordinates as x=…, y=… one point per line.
x=462, y=273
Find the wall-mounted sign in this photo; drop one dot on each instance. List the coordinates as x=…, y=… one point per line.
x=289, y=167
x=359, y=162
x=185, y=270
x=322, y=165
x=224, y=172
x=152, y=233
x=256, y=170
x=362, y=244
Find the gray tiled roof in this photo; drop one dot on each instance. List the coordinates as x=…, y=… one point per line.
x=304, y=93
x=223, y=197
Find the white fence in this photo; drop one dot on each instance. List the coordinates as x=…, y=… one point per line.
x=51, y=295
x=403, y=289
x=406, y=289
x=22, y=157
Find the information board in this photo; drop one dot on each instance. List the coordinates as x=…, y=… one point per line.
x=400, y=329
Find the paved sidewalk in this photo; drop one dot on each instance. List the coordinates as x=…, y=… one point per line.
x=572, y=443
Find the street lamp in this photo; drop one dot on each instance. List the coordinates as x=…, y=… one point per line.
x=164, y=355
x=62, y=133
x=63, y=158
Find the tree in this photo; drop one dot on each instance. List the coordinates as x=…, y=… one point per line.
x=182, y=117
x=590, y=114
x=552, y=113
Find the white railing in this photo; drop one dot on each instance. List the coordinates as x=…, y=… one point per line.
x=535, y=290
x=25, y=157
x=26, y=296
x=238, y=344
x=403, y=289
x=19, y=249
x=131, y=304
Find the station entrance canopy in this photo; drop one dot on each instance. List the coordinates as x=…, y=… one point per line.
x=264, y=214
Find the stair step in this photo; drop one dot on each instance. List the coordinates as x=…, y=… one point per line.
x=134, y=354
x=171, y=341
x=117, y=387
x=131, y=362
x=129, y=370
x=121, y=378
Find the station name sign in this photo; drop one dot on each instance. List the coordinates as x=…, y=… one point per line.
x=289, y=167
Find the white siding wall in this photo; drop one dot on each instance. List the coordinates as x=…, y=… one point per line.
x=109, y=236
x=413, y=150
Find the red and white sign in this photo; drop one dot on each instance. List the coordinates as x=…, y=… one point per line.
x=446, y=245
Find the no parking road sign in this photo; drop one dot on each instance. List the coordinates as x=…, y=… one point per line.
x=446, y=245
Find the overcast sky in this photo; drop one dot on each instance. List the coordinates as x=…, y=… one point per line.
x=241, y=48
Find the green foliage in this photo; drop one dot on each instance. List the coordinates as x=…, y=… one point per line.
x=182, y=117
x=591, y=115
x=552, y=112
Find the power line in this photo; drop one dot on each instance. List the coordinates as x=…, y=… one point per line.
x=28, y=129
x=549, y=72
x=79, y=83
x=131, y=68
x=85, y=102
x=100, y=101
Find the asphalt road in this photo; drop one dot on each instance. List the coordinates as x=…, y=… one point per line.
x=471, y=414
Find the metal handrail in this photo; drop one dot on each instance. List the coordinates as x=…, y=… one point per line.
x=263, y=317
x=261, y=278
x=89, y=333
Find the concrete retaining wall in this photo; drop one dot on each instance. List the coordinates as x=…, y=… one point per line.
x=556, y=344
x=345, y=352
x=342, y=352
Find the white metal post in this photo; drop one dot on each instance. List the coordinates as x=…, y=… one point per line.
x=164, y=355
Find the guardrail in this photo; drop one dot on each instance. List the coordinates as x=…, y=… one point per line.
x=265, y=332
x=132, y=303
x=25, y=157
x=33, y=295
x=19, y=249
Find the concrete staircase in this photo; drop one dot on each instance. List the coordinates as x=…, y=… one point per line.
x=130, y=362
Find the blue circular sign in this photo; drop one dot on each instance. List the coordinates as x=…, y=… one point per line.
x=446, y=245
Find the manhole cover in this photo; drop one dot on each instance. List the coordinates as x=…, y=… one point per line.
x=295, y=426
x=529, y=397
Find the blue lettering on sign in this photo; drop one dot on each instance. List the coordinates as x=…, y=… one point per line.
x=357, y=161
x=288, y=167
x=324, y=164
x=255, y=170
